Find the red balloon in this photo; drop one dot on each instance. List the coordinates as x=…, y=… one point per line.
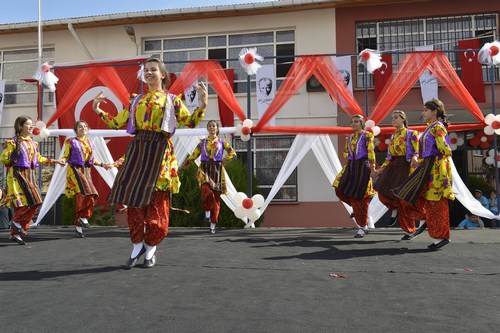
x=36, y=131
x=365, y=55
x=474, y=142
x=247, y=203
x=245, y=130
x=495, y=124
x=454, y=140
x=484, y=145
x=249, y=58
x=498, y=157
x=382, y=146
x=490, y=138
x=494, y=50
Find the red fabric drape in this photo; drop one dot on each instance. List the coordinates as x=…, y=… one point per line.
x=446, y=75
x=409, y=70
x=225, y=113
x=327, y=74
x=213, y=72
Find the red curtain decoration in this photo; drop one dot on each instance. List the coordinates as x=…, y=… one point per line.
x=225, y=114
x=472, y=71
x=447, y=76
x=409, y=70
x=213, y=72
x=328, y=75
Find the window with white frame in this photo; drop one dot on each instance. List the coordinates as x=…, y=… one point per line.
x=269, y=153
x=278, y=47
x=19, y=64
x=442, y=32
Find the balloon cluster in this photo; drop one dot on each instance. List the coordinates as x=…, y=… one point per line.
x=490, y=53
x=480, y=140
x=370, y=126
x=371, y=59
x=40, y=132
x=245, y=129
x=248, y=207
x=45, y=76
x=247, y=60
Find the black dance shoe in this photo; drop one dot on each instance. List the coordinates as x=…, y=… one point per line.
x=131, y=262
x=149, y=263
x=442, y=243
x=79, y=234
x=407, y=237
x=16, y=228
x=17, y=240
x=420, y=230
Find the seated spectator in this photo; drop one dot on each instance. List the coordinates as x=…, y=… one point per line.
x=471, y=221
x=482, y=199
x=494, y=209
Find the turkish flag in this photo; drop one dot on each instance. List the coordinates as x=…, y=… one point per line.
x=77, y=87
x=472, y=72
x=225, y=113
x=382, y=75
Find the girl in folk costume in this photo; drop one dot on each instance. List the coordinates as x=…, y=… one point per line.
x=210, y=173
x=353, y=185
x=21, y=157
x=141, y=182
x=78, y=153
x=403, y=147
x=430, y=186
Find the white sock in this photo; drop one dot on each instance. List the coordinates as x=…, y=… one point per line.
x=150, y=251
x=422, y=222
x=84, y=220
x=437, y=240
x=17, y=225
x=79, y=229
x=394, y=213
x=212, y=225
x=361, y=231
x=17, y=237
x=207, y=214
x=136, y=249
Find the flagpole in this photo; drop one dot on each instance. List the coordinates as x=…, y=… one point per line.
x=493, y=110
x=40, y=55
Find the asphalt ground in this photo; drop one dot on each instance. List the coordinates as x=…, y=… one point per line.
x=251, y=280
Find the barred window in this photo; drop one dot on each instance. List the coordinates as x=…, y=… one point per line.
x=442, y=32
x=16, y=65
x=278, y=46
x=269, y=153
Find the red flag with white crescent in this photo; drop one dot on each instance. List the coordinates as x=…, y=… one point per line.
x=472, y=72
x=382, y=75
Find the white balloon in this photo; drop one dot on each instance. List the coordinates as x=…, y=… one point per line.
x=497, y=117
x=489, y=118
x=370, y=123
x=238, y=129
x=498, y=164
x=239, y=197
x=44, y=133
x=248, y=123
x=240, y=212
x=489, y=160
x=484, y=139
x=254, y=215
x=40, y=124
x=245, y=137
x=497, y=131
x=376, y=130
x=491, y=152
x=258, y=200
x=488, y=130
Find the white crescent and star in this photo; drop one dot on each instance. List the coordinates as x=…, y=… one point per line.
x=470, y=59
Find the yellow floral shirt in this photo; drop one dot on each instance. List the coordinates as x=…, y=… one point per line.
x=397, y=146
x=15, y=195
x=211, y=148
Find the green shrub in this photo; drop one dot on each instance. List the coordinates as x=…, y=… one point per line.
x=99, y=216
x=480, y=184
x=189, y=198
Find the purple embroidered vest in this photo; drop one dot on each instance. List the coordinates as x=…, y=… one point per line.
x=428, y=146
x=219, y=150
x=23, y=159
x=409, y=147
x=77, y=156
x=360, y=151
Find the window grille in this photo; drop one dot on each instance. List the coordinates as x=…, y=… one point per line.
x=442, y=32
x=269, y=153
